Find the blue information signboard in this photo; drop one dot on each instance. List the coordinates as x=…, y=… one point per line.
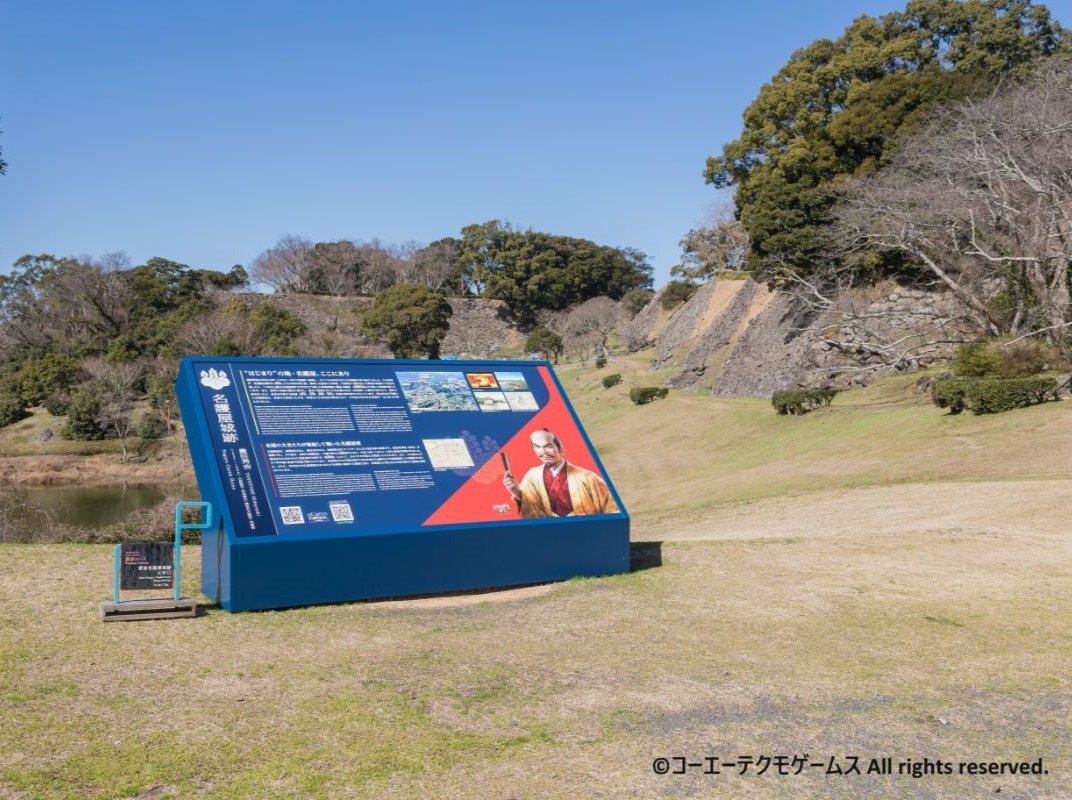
x=354, y=479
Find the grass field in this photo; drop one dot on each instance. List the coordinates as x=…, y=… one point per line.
x=876, y=579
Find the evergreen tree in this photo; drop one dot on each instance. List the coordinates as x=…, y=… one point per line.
x=839, y=108
x=412, y=320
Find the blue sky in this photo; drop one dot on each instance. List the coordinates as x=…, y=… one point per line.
x=203, y=131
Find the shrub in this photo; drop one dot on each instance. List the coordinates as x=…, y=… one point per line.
x=82, y=419
x=800, y=401
x=1027, y=357
x=645, y=394
x=151, y=426
x=976, y=360
x=545, y=342
x=57, y=404
x=612, y=380
x=677, y=292
x=732, y=274
x=993, y=395
x=277, y=327
x=12, y=409
x=1019, y=359
x=601, y=362
x=44, y=375
x=635, y=300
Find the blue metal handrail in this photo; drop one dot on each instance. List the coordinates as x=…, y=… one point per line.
x=180, y=526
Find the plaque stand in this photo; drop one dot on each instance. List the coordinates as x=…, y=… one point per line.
x=156, y=607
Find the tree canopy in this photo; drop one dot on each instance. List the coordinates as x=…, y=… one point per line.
x=56, y=312
x=532, y=271
x=839, y=108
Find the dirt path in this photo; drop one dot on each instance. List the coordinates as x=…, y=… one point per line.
x=1003, y=510
x=1013, y=507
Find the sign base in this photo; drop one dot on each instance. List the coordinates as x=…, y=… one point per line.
x=162, y=608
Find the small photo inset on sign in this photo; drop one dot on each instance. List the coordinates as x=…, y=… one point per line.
x=491, y=401
x=512, y=381
x=522, y=401
x=482, y=380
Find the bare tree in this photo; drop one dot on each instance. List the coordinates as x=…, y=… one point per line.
x=118, y=387
x=219, y=332
x=435, y=266
x=95, y=295
x=73, y=300
x=383, y=265
x=720, y=244
x=335, y=270
x=285, y=267
x=587, y=326
x=335, y=267
x=981, y=199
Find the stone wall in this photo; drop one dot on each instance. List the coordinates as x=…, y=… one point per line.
x=744, y=340
x=737, y=338
x=480, y=329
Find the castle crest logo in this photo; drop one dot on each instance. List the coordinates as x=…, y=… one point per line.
x=214, y=379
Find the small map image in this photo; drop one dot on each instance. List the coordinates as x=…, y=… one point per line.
x=512, y=381
x=522, y=401
x=482, y=380
x=492, y=401
x=436, y=391
x=448, y=453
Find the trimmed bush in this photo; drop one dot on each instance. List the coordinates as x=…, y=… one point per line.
x=612, y=380
x=601, y=362
x=950, y=394
x=993, y=395
x=800, y=401
x=645, y=394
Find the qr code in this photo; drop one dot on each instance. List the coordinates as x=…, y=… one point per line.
x=291, y=515
x=341, y=512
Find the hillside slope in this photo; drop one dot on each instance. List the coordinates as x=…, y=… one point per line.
x=694, y=451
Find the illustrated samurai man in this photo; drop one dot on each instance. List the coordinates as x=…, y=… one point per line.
x=557, y=488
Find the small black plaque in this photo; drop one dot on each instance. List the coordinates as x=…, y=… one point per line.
x=147, y=565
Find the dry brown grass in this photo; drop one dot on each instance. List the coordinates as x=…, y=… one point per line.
x=921, y=609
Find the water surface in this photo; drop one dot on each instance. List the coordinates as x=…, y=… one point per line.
x=100, y=506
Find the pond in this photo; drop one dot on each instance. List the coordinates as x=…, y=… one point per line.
x=98, y=506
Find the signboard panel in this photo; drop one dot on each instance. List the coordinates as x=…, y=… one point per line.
x=147, y=565
x=315, y=449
